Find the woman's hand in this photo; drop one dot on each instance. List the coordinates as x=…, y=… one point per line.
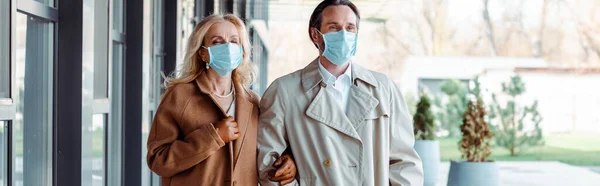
x=286, y=170
x=228, y=129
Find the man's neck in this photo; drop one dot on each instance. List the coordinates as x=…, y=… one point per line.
x=335, y=70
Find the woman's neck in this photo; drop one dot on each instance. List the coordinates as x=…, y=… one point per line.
x=220, y=85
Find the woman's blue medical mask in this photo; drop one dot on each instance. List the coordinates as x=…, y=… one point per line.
x=224, y=58
x=339, y=46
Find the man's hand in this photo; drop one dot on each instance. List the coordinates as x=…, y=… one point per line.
x=286, y=170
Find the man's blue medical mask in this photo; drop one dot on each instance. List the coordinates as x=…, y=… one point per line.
x=339, y=46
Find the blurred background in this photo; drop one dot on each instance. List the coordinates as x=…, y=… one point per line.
x=80, y=79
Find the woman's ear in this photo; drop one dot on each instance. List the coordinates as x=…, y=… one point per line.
x=202, y=54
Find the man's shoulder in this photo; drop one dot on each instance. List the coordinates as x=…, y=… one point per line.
x=289, y=79
x=381, y=79
x=252, y=96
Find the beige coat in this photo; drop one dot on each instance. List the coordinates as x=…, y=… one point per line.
x=184, y=147
x=371, y=144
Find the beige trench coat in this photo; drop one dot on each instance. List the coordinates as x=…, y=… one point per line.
x=371, y=144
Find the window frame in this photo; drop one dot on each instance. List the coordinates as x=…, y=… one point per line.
x=48, y=14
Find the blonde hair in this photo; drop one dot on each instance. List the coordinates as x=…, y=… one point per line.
x=194, y=66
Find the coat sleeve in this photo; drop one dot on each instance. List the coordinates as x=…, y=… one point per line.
x=405, y=165
x=272, y=136
x=168, y=152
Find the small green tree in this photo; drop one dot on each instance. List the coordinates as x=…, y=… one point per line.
x=423, y=119
x=510, y=119
x=476, y=133
x=450, y=108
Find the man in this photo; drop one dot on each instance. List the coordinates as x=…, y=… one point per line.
x=346, y=125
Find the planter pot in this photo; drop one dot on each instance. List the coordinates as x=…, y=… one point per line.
x=429, y=151
x=463, y=173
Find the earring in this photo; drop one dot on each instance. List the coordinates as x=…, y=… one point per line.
x=207, y=67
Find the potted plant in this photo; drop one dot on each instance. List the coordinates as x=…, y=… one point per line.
x=426, y=146
x=474, y=146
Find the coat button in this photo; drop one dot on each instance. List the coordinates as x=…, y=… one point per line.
x=327, y=163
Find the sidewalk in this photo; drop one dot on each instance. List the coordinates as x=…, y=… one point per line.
x=538, y=173
x=593, y=168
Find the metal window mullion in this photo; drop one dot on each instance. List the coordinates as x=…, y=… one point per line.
x=11, y=91
x=117, y=36
x=109, y=122
x=7, y=109
x=114, y=132
x=38, y=9
x=101, y=106
x=67, y=115
x=8, y=154
x=132, y=89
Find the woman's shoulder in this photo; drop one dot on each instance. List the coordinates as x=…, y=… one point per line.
x=180, y=92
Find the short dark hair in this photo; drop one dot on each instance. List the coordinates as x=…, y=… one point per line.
x=317, y=16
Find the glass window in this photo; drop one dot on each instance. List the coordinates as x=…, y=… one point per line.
x=118, y=15
x=147, y=88
x=97, y=130
x=33, y=101
x=95, y=64
x=157, y=41
x=95, y=33
x=4, y=51
x=146, y=173
x=3, y=152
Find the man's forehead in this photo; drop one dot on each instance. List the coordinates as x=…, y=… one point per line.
x=339, y=13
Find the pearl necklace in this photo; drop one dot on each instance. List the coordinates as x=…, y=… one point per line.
x=230, y=93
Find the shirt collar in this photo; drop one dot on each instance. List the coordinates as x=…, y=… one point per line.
x=329, y=79
x=310, y=75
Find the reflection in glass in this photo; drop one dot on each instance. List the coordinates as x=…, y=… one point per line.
x=4, y=51
x=33, y=102
x=95, y=47
x=118, y=15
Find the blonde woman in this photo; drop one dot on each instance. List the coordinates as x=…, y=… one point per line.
x=205, y=129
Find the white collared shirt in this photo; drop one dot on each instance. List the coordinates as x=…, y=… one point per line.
x=338, y=87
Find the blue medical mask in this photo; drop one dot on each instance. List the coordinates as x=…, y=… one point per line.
x=339, y=46
x=224, y=58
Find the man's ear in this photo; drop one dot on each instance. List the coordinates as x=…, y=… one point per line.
x=314, y=35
